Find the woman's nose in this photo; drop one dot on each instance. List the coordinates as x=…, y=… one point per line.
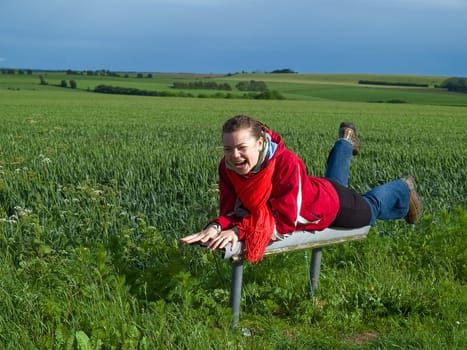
x=235, y=153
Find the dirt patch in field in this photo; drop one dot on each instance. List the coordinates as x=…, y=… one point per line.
x=362, y=338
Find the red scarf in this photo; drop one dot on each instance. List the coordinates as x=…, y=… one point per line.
x=254, y=193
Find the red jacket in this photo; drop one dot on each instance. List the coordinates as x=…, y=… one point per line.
x=297, y=201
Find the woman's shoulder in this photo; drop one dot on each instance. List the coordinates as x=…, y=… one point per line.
x=288, y=159
x=288, y=155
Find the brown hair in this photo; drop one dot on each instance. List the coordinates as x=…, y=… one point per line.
x=256, y=127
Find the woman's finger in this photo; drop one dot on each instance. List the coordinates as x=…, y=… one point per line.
x=190, y=238
x=220, y=242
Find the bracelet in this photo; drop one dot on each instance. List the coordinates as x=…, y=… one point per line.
x=216, y=226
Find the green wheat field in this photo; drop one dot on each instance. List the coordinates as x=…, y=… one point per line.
x=97, y=189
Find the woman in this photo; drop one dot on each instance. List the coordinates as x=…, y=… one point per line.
x=265, y=192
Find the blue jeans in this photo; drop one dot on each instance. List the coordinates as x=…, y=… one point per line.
x=388, y=201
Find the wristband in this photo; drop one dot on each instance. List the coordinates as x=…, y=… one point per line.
x=216, y=226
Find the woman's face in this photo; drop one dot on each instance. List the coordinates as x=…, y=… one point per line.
x=242, y=150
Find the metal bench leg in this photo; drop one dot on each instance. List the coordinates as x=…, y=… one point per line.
x=236, y=290
x=315, y=269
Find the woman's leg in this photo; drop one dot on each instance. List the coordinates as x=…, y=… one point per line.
x=388, y=201
x=338, y=163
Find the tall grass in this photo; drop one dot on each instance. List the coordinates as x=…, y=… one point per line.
x=96, y=190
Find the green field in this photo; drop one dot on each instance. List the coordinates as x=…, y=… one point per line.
x=96, y=189
x=309, y=87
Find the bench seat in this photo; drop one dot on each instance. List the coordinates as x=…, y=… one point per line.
x=300, y=240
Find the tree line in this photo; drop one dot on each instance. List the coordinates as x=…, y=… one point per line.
x=390, y=83
x=14, y=71
x=210, y=85
x=251, y=85
x=64, y=84
x=451, y=84
x=264, y=95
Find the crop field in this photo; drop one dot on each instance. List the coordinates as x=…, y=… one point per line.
x=96, y=190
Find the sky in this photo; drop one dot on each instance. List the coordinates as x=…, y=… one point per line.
x=422, y=37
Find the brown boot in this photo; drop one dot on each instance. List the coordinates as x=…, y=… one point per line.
x=348, y=132
x=415, y=204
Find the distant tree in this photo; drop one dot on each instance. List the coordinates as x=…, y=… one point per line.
x=149, y=75
x=269, y=95
x=455, y=84
x=63, y=84
x=225, y=86
x=73, y=84
x=29, y=71
x=139, y=75
x=251, y=85
x=42, y=80
x=285, y=70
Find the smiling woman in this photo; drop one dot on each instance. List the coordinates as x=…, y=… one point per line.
x=266, y=193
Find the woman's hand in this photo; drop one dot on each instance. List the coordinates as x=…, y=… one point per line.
x=216, y=240
x=224, y=238
x=203, y=236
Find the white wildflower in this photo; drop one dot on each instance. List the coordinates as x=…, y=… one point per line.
x=45, y=159
x=13, y=219
x=24, y=212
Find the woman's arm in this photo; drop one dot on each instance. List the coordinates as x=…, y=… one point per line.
x=286, y=196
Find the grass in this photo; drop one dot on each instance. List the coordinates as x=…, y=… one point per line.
x=95, y=191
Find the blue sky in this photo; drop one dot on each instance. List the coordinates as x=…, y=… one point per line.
x=425, y=37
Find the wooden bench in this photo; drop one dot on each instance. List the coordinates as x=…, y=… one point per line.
x=299, y=240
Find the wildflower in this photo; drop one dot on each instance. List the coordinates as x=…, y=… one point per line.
x=13, y=219
x=45, y=159
x=22, y=211
x=25, y=212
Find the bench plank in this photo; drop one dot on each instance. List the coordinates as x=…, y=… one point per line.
x=301, y=240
